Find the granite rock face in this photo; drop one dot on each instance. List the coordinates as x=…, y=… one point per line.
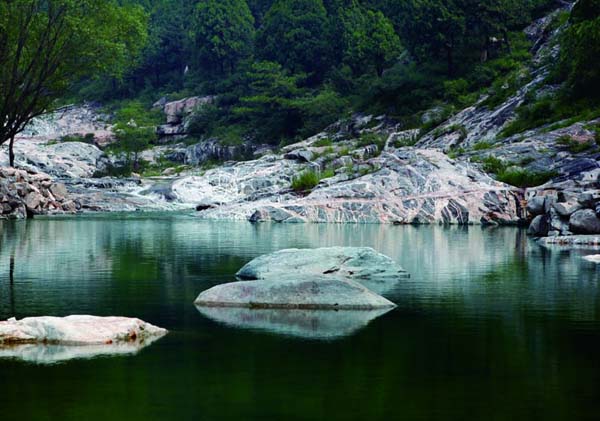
x=405, y=186
x=77, y=330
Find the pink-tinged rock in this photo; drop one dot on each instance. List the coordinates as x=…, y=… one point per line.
x=77, y=330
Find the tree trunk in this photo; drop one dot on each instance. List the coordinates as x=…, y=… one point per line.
x=11, y=152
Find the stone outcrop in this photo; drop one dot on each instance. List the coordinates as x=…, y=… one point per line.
x=60, y=160
x=77, y=330
x=401, y=186
x=72, y=120
x=24, y=194
x=177, y=114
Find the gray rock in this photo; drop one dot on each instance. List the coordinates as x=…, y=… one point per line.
x=298, y=292
x=536, y=205
x=58, y=190
x=539, y=226
x=76, y=330
x=585, y=222
x=566, y=209
x=361, y=264
x=301, y=155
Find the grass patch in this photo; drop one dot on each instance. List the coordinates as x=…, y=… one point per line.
x=482, y=146
x=323, y=142
x=309, y=179
x=523, y=178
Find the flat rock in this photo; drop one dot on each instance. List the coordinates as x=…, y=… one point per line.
x=306, y=324
x=77, y=330
x=302, y=292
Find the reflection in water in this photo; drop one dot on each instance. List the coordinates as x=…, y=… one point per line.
x=53, y=354
x=488, y=323
x=307, y=324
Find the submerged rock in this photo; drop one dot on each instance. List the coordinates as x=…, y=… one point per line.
x=297, y=292
x=307, y=324
x=361, y=264
x=77, y=330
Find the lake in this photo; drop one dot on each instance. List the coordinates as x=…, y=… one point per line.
x=489, y=326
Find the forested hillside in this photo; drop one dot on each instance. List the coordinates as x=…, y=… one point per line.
x=285, y=69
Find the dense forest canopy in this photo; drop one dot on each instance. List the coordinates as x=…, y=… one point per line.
x=282, y=69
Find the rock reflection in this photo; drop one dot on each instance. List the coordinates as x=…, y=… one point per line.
x=47, y=354
x=306, y=324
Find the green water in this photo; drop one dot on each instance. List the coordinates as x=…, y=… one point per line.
x=489, y=326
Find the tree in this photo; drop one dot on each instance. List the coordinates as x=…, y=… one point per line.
x=294, y=34
x=580, y=50
x=224, y=34
x=45, y=45
x=433, y=29
x=270, y=106
x=369, y=39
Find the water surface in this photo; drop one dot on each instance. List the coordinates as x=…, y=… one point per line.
x=489, y=326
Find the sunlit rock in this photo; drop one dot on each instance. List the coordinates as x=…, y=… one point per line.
x=77, y=330
x=297, y=291
x=308, y=324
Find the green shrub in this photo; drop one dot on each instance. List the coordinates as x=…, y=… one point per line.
x=306, y=181
x=88, y=138
x=323, y=142
x=523, y=178
x=481, y=146
x=493, y=165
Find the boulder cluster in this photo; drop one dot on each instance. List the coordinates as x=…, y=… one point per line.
x=560, y=214
x=339, y=278
x=24, y=194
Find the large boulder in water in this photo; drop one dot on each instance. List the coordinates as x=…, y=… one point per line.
x=361, y=264
x=296, y=291
x=77, y=330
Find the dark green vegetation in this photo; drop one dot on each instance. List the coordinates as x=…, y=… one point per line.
x=285, y=69
x=494, y=327
x=513, y=174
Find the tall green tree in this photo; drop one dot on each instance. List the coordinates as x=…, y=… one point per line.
x=295, y=34
x=224, y=34
x=369, y=39
x=45, y=45
x=580, y=50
